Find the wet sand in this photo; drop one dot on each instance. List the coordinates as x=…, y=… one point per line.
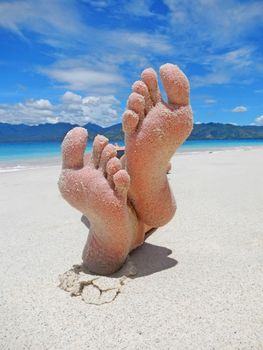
x=199, y=279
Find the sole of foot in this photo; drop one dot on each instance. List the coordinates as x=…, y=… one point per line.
x=97, y=186
x=154, y=129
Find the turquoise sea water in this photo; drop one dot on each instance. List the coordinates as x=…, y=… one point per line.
x=23, y=154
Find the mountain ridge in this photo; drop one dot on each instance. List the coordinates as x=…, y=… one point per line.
x=14, y=133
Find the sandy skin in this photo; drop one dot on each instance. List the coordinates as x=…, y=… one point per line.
x=98, y=187
x=154, y=130
x=122, y=205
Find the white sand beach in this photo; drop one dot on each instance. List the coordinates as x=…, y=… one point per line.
x=199, y=279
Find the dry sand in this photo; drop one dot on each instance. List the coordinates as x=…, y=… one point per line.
x=199, y=279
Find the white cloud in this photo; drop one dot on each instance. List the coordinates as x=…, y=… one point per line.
x=105, y=71
x=69, y=97
x=52, y=120
x=101, y=73
x=197, y=31
x=97, y=4
x=259, y=120
x=208, y=29
x=226, y=67
x=29, y=112
x=84, y=79
x=60, y=24
x=154, y=42
x=239, y=58
x=216, y=23
x=139, y=8
x=52, y=20
x=210, y=101
x=74, y=109
x=210, y=79
x=239, y=109
x=39, y=104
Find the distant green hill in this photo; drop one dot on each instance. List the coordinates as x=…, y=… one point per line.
x=56, y=132
x=218, y=131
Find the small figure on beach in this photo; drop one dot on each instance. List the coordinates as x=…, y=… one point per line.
x=124, y=199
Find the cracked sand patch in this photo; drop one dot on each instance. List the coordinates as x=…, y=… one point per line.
x=95, y=289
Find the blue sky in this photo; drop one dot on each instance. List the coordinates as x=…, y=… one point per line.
x=75, y=60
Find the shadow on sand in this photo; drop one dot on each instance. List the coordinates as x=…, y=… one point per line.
x=148, y=258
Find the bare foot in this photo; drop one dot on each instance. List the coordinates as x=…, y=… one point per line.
x=98, y=188
x=154, y=130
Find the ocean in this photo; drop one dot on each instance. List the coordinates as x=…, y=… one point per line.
x=17, y=156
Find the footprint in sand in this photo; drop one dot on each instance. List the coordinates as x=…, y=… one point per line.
x=95, y=289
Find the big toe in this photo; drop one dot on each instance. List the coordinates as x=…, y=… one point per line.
x=73, y=148
x=176, y=84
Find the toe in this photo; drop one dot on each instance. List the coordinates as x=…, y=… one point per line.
x=122, y=183
x=137, y=104
x=176, y=84
x=130, y=121
x=113, y=165
x=73, y=148
x=108, y=152
x=141, y=88
x=149, y=77
x=70, y=185
x=99, y=143
x=123, y=160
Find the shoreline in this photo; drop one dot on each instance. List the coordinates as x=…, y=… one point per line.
x=21, y=164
